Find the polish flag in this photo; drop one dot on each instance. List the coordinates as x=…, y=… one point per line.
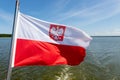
x=39, y=42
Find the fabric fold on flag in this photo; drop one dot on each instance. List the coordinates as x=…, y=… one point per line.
x=39, y=42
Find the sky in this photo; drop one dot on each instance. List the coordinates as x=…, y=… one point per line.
x=95, y=17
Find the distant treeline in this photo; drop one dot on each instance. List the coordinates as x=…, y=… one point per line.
x=5, y=35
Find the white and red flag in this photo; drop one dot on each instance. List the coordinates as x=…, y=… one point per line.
x=39, y=42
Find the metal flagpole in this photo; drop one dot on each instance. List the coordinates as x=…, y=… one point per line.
x=12, y=40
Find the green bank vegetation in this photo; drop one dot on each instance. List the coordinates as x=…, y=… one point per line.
x=5, y=35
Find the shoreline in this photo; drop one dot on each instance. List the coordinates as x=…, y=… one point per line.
x=10, y=35
x=5, y=35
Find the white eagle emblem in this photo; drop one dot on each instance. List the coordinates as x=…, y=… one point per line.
x=56, y=32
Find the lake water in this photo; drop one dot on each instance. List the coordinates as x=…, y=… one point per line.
x=101, y=63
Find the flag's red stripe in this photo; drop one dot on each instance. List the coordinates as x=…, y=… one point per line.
x=30, y=52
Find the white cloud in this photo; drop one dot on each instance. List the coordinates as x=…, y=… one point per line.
x=6, y=21
x=116, y=31
x=113, y=32
x=97, y=12
x=60, y=4
x=5, y=16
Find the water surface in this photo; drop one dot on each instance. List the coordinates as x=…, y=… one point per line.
x=101, y=63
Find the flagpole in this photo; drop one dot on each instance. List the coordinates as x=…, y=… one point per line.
x=12, y=40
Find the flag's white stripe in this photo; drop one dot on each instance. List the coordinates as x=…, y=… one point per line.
x=34, y=29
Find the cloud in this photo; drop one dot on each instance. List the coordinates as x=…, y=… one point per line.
x=5, y=16
x=91, y=14
x=6, y=21
x=113, y=32
x=61, y=4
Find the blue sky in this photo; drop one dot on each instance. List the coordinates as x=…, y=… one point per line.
x=96, y=17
